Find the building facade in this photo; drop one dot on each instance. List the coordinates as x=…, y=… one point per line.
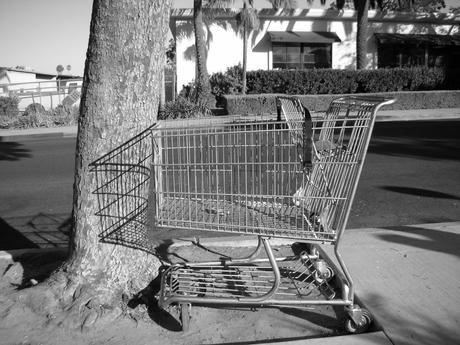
x=29, y=86
x=316, y=38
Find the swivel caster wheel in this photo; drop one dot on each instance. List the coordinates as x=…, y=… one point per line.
x=323, y=272
x=362, y=325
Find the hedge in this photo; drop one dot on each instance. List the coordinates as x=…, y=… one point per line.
x=334, y=81
x=266, y=103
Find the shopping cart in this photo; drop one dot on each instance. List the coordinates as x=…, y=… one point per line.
x=292, y=178
x=252, y=177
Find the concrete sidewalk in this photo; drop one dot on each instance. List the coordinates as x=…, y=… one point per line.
x=383, y=115
x=406, y=276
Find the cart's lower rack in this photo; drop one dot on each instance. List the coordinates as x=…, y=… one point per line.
x=243, y=216
x=250, y=283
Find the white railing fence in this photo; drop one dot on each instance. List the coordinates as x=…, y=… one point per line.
x=49, y=94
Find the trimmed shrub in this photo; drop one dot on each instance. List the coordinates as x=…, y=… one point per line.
x=190, y=92
x=9, y=106
x=34, y=108
x=65, y=115
x=228, y=83
x=182, y=108
x=223, y=84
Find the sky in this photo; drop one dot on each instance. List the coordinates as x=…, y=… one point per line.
x=42, y=34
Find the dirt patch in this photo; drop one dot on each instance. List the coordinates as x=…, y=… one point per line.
x=208, y=325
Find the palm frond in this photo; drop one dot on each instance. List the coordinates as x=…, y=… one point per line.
x=248, y=18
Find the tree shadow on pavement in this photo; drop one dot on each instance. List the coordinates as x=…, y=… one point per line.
x=428, y=239
x=12, y=238
x=30, y=268
x=12, y=151
x=39, y=231
x=420, y=192
x=25, y=268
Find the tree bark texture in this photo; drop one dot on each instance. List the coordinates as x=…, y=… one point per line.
x=362, y=8
x=245, y=52
x=120, y=98
x=203, y=86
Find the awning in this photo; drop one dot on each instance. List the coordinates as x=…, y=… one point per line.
x=418, y=39
x=303, y=37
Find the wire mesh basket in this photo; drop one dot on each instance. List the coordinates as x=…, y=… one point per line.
x=245, y=177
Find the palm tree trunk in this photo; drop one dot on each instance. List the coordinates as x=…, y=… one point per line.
x=362, y=7
x=203, y=87
x=245, y=59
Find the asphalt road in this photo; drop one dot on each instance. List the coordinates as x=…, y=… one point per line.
x=411, y=176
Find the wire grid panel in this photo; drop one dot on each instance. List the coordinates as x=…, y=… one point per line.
x=246, y=177
x=122, y=178
x=298, y=119
x=299, y=281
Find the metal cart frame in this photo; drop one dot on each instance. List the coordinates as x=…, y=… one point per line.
x=324, y=191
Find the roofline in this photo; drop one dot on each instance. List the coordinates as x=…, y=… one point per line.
x=61, y=76
x=330, y=14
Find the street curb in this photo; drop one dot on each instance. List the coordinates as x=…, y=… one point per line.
x=14, y=253
x=418, y=114
x=37, y=133
x=382, y=116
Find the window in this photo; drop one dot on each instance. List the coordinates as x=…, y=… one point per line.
x=302, y=55
x=391, y=55
x=412, y=55
x=398, y=50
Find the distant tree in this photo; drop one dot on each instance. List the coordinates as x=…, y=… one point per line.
x=59, y=69
x=362, y=8
x=413, y=5
x=68, y=68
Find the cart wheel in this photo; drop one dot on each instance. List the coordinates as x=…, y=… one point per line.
x=185, y=316
x=324, y=274
x=362, y=326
